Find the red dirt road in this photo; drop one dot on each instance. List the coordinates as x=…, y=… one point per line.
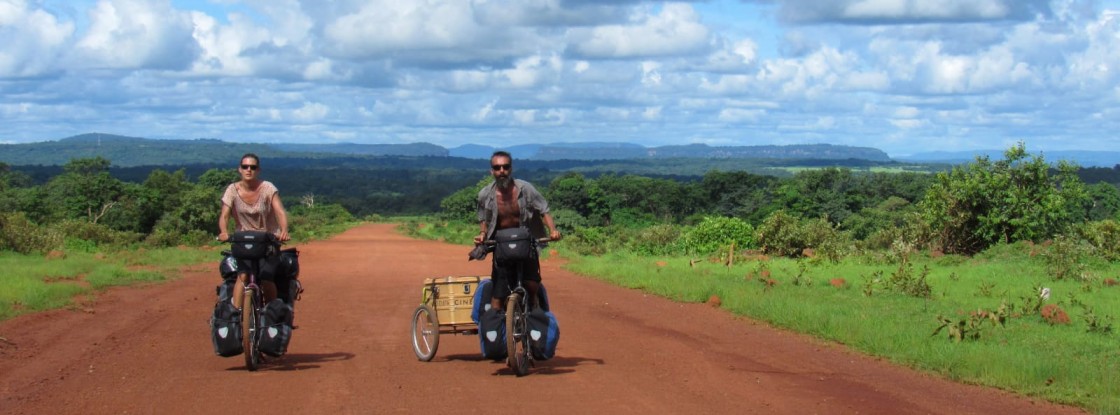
x=147, y=350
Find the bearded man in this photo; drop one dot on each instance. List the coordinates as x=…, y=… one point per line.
x=512, y=203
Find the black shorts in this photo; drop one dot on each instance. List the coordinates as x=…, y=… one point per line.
x=504, y=275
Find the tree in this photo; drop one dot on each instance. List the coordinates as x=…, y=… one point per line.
x=85, y=190
x=829, y=192
x=1103, y=202
x=463, y=204
x=982, y=203
x=570, y=191
x=738, y=194
x=218, y=179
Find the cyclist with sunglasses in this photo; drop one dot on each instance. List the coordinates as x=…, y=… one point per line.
x=512, y=203
x=254, y=205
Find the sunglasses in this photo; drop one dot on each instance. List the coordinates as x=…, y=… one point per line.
x=499, y=167
x=249, y=167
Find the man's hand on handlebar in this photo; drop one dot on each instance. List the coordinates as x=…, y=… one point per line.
x=553, y=236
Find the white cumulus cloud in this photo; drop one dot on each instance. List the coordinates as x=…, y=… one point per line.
x=675, y=30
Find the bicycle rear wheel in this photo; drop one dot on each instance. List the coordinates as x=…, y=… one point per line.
x=518, y=358
x=250, y=323
x=425, y=332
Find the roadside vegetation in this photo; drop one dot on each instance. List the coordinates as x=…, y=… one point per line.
x=84, y=230
x=996, y=272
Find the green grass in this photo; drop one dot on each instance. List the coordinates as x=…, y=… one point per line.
x=1061, y=363
x=36, y=282
x=33, y=283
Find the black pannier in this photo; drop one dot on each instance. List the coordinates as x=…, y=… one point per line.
x=225, y=329
x=492, y=334
x=276, y=328
x=289, y=262
x=513, y=244
x=252, y=244
x=225, y=290
x=544, y=334
x=287, y=274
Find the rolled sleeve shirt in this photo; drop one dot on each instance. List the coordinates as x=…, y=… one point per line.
x=529, y=201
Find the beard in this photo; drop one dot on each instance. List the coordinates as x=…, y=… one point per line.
x=504, y=182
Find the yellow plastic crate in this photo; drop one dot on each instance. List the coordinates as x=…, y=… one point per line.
x=452, y=297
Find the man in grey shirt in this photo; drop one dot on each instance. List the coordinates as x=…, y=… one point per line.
x=512, y=203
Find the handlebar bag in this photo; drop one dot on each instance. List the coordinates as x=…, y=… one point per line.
x=513, y=244
x=252, y=244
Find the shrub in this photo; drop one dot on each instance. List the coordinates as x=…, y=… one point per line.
x=786, y=235
x=1015, y=199
x=828, y=242
x=717, y=233
x=780, y=234
x=567, y=220
x=309, y=220
x=1065, y=258
x=1104, y=236
x=98, y=233
x=656, y=240
x=19, y=234
x=914, y=232
x=589, y=241
x=170, y=237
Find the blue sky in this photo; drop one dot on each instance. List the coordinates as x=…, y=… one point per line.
x=904, y=76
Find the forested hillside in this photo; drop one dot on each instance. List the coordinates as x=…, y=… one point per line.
x=135, y=151
x=862, y=203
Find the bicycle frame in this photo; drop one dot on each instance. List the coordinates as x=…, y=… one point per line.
x=517, y=331
x=252, y=306
x=517, y=308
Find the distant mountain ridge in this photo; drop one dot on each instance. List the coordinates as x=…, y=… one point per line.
x=1082, y=158
x=615, y=151
x=414, y=149
x=126, y=151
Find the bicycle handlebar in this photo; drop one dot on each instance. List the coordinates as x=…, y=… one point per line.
x=491, y=242
x=229, y=240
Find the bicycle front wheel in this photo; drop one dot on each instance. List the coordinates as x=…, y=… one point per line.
x=425, y=332
x=250, y=324
x=518, y=358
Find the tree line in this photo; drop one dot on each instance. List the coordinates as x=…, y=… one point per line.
x=84, y=204
x=961, y=210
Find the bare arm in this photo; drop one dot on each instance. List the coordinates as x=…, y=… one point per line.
x=482, y=232
x=281, y=217
x=552, y=232
x=223, y=223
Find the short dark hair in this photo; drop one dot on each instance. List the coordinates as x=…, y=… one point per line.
x=502, y=153
x=250, y=156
